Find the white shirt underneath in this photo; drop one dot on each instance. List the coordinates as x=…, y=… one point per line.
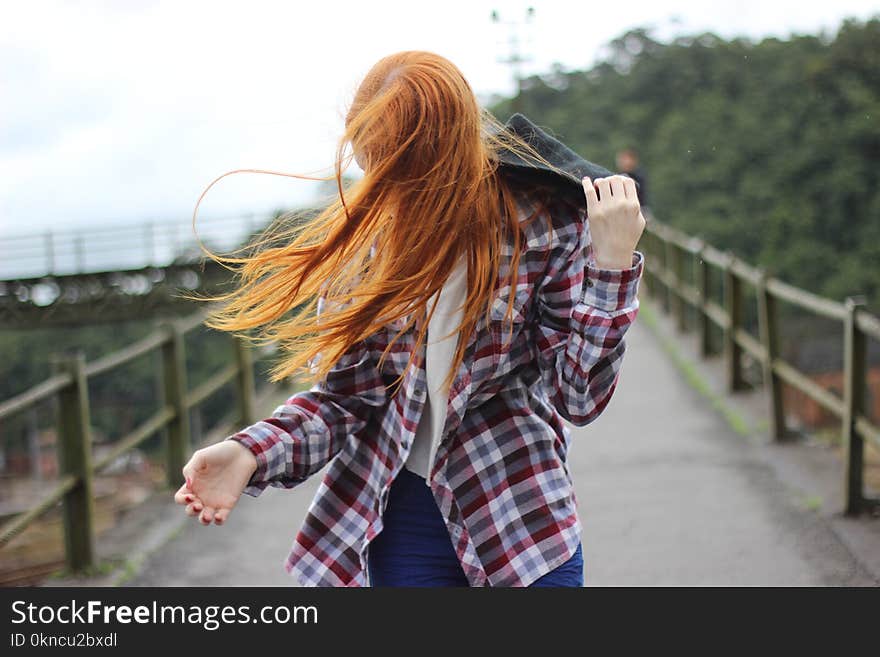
x=438, y=360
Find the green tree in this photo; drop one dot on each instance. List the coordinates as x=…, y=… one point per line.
x=768, y=149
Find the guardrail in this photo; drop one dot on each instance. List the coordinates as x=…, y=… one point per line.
x=674, y=255
x=77, y=468
x=115, y=247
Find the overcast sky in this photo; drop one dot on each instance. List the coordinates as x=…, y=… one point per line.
x=121, y=112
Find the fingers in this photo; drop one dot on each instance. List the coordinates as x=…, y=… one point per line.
x=210, y=514
x=592, y=198
x=195, y=507
x=617, y=186
x=184, y=495
x=207, y=515
x=629, y=186
x=190, y=468
x=604, y=185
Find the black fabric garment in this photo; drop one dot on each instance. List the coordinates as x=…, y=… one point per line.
x=573, y=167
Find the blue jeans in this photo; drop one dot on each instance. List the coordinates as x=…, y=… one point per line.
x=414, y=547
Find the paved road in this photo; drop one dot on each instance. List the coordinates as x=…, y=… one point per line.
x=668, y=495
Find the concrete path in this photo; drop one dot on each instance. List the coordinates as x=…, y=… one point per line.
x=668, y=495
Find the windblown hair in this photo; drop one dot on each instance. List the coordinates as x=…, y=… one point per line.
x=431, y=192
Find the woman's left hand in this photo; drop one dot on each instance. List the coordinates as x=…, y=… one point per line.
x=616, y=221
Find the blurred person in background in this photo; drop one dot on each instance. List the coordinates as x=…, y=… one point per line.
x=454, y=308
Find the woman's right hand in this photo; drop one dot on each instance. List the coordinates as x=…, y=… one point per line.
x=215, y=478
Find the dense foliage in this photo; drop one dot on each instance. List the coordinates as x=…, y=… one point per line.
x=768, y=149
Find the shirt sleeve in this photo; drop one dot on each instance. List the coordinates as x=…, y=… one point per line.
x=583, y=314
x=311, y=427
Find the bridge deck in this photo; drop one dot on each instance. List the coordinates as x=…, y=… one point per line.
x=669, y=494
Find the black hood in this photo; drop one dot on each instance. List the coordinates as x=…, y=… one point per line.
x=573, y=166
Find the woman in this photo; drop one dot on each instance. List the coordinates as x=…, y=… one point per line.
x=454, y=307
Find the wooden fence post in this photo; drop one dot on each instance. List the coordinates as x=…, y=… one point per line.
x=667, y=273
x=655, y=266
x=673, y=300
x=647, y=283
x=703, y=323
x=174, y=375
x=854, y=384
x=733, y=306
x=245, y=381
x=159, y=381
x=75, y=458
x=768, y=328
x=681, y=304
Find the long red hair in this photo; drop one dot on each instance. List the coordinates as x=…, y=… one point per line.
x=431, y=192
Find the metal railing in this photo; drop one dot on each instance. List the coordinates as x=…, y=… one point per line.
x=77, y=467
x=674, y=254
x=115, y=247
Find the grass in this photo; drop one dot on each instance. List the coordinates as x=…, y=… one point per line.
x=99, y=569
x=812, y=503
x=828, y=436
x=129, y=569
x=692, y=376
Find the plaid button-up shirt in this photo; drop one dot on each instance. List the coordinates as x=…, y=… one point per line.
x=500, y=475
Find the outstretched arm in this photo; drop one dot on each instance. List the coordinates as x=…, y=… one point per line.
x=300, y=438
x=311, y=427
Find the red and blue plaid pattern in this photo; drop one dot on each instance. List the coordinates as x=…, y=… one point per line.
x=500, y=476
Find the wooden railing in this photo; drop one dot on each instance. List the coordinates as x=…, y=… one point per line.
x=671, y=256
x=77, y=466
x=679, y=269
